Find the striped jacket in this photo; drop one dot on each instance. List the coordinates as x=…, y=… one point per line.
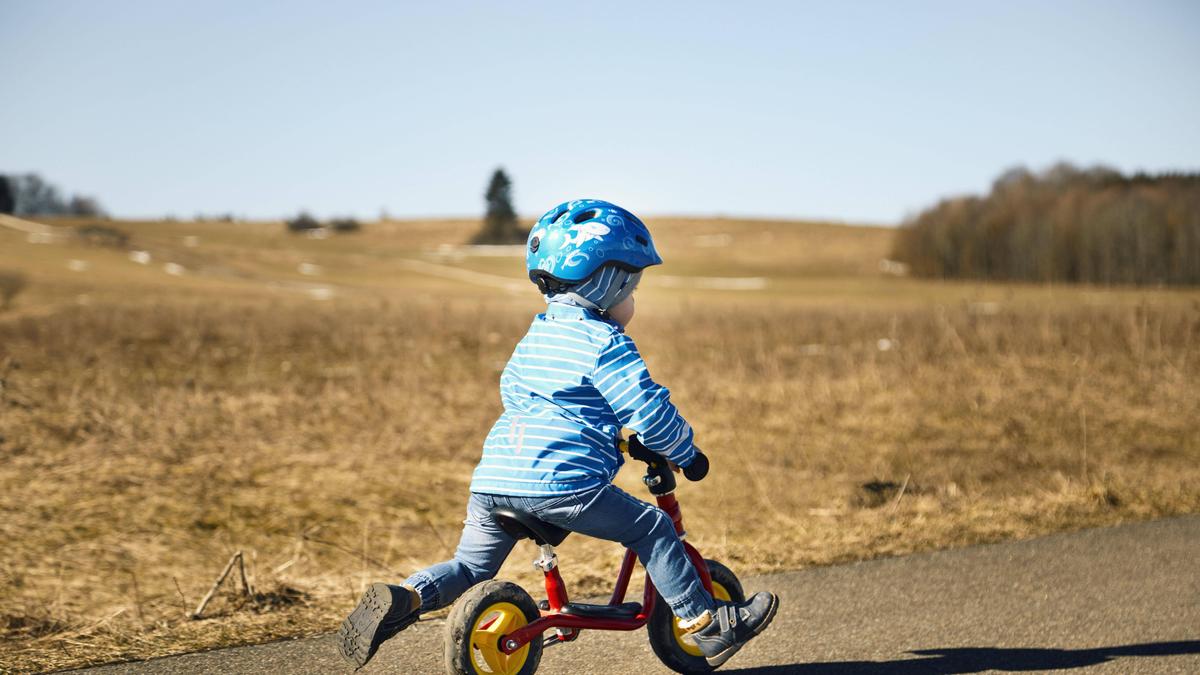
x=572, y=383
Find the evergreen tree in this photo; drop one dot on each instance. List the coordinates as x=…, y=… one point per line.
x=8, y=197
x=500, y=220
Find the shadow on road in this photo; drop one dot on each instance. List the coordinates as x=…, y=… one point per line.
x=978, y=659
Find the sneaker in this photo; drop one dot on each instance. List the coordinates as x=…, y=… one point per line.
x=732, y=626
x=383, y=611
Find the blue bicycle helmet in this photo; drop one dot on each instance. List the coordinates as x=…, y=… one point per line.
x=574, y=239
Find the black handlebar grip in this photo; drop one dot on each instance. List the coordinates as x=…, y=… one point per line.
x=642, y=453
x=698, y=469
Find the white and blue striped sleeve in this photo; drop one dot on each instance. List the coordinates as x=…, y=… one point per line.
x=640, y=403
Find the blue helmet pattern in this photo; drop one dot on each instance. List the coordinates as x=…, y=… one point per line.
x=576, y=238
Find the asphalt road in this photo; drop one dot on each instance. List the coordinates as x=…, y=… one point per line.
x=1117, y=600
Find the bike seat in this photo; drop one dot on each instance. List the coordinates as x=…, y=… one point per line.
x=523, y=525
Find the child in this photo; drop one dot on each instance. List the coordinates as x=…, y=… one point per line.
x=571, y=385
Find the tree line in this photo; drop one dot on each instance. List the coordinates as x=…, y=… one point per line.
x=30, y=194
x=1068, y=224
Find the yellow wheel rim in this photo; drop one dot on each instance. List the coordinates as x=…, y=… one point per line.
x=498, y=619
x=685, y=642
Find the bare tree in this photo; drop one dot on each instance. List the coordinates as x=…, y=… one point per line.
x=32, y=195
x=35, y=196
x=81, y=205
x=1065, y=224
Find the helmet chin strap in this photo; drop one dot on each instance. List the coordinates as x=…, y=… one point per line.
x=577, y=299
x=621, y=285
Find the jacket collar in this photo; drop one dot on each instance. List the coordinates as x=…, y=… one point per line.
x=563, y=311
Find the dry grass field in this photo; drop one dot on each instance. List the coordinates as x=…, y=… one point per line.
x=319, y=404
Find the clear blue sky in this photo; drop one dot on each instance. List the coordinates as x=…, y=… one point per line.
x=862, y=112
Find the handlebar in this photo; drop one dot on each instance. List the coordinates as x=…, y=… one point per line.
x=659, y=478
x=698, y=469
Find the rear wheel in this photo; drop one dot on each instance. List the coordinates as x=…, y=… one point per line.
x=479, y=618
x=669, y=642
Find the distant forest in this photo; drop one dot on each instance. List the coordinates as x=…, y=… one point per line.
x=1064, y=224
x=29, y=194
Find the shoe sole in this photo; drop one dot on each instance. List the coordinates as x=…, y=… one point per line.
x=720, y=658
x=369, y=625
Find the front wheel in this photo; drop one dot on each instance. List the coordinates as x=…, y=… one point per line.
x=672, y=646
x=479, y=618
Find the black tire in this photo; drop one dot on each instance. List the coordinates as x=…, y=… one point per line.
x=482, y=603
x=661, y=627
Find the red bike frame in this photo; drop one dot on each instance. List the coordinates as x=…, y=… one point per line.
x=556, y=594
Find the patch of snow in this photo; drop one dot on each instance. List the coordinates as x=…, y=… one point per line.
x=455, y=253
x=713, y=283
x=469, y=276
x=713, y=240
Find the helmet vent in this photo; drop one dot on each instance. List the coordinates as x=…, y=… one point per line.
x=642, y=240
x=586, y=215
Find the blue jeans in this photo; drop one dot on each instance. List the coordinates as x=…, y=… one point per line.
x=605, y=513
